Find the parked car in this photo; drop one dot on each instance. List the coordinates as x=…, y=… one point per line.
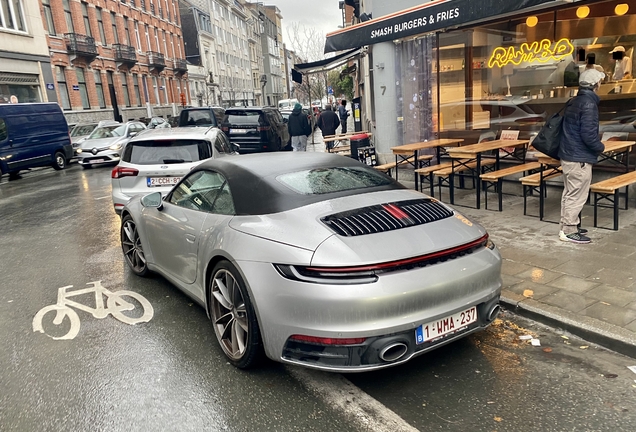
x=319, y=260
x=33, y=135
x=104, y=145
x=158, y=123
x=255, y=129
x=202, y=116
x=287, y=104
x=157, y=160
x=82, y=130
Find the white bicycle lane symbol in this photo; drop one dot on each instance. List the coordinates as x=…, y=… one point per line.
x=116, y=305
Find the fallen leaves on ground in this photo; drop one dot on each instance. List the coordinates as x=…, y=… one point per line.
x=528, y=293
x=584, y=347
x=547, y=350
x=497, y=419
x=610, y=376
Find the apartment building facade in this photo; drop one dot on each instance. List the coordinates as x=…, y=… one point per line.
x=200, y=48
x=25, y=68
x=255, y=29
x=116, y=60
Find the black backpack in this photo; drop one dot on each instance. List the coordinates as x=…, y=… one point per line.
x=548, y=139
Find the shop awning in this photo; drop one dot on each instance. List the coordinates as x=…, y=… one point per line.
x=327, y=64
x=428, y=17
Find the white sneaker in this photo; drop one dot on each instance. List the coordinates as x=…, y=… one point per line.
x=562, y=236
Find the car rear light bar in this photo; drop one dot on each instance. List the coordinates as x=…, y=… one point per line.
x=119, y=172
x=328, y=341
x=369, y=273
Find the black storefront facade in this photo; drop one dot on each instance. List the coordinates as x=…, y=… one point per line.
x=472, y=69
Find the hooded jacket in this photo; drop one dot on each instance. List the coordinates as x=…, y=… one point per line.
x=298, y=124
x=579, y=139
x=328, y=122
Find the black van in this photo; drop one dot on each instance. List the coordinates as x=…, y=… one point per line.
x=255, y=129
x=33, y=135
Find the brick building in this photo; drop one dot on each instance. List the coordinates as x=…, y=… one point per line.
x=116, y=59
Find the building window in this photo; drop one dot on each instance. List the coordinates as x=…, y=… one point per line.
x=100, y=89
x=12, y=15
x=165, y=90
x=67, y=15
x=156, y=32
x=136, y=87
x=100, y=25
x=48, y=15
x=127, y=30
x=143, y=4
x=81, y=80
x=87, y=23
x=113, y=20
x=137, y=36
x=124, y=88
x=165, y=45
x=148, y=48
x=61, y=85
x=156, y=89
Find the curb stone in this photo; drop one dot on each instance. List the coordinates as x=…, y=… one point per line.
x=591, y=329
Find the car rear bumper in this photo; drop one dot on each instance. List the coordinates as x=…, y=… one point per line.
x=384, y=313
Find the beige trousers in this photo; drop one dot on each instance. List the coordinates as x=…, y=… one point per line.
x=577, y=177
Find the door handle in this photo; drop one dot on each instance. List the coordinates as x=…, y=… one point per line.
x=190, y=238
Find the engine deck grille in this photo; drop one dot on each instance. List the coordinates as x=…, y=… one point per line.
x=386, y=217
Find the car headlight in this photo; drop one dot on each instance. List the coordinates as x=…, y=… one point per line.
x=79, y=150
x=115, y=146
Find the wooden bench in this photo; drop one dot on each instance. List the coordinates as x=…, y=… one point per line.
x=445, y=174
x=533, y=181
x=496, y=179
x=387, y=167
x=341, y=149
x=427, y=173
x=608, y=190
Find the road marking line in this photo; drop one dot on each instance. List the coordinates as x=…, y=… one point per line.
x=342, y=395
x=101, y=198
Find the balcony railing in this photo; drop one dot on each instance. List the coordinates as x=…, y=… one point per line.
x=156, y=60
x=180, y=65
x=80, y=45
x=125, y=54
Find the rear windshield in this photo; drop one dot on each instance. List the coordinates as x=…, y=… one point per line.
x=166, y=152
x=197, y=118
x=331, y=180
x=82, y=130
x=243, y=117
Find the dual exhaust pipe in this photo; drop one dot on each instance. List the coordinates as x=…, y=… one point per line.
x=395, y=351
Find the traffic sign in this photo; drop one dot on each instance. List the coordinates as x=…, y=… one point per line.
x=330, y=90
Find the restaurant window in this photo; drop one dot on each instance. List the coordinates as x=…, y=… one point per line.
x=48, y=16
x=67, y=16
x=100, y=25
x=87, y=23
x=81, y=81
x=136, y=87
x=113, y=21
x=124, y=88
x=100, y=89
x=61, y=85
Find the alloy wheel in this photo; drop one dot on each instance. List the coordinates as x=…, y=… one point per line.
x=131, y=243
x=229, y=314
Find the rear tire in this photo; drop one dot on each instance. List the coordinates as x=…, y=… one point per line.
x=59, y=161
x=233, y=317
x=132, y=247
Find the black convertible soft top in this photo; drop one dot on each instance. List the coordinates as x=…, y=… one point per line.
x=256, y=190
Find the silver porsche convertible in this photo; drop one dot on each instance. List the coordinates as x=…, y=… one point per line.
x=316, y=260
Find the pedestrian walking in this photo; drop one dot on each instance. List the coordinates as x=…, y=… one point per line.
x=579, y=150
x=299, y=128
x=344, y=115
x=328, y=123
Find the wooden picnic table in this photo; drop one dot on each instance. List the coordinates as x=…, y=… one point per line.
x=467, y=155
x=347, y=137
x=413, y=149
x=612, y=150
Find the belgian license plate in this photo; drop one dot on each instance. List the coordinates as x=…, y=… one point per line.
x=446, y=326
x=162, y=181
x=238, y=131
x=97, y=160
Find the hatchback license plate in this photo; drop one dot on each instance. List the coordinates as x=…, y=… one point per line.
x=162, y=181
x=445, y=326
x=239, y=131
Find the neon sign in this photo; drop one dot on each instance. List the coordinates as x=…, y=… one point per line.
x=540, y=52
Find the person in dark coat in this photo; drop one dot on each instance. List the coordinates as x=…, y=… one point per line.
x=579, y=149
x=299, y=128
x=328, y=122
x=344, y=115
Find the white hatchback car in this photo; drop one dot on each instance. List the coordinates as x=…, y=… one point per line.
x=104, y=145
x=156, y=160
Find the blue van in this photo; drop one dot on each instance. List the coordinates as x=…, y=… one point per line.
x=33, y=135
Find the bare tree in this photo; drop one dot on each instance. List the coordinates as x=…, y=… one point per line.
x=308, y=43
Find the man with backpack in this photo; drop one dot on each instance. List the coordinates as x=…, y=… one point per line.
x=579, y=150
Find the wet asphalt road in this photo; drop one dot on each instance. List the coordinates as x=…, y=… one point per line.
x=59, y=229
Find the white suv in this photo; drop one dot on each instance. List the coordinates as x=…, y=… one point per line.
x=156, y=160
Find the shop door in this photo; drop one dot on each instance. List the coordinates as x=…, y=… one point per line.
x=113, y=97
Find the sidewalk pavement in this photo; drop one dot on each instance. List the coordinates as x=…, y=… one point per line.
x=588, y=290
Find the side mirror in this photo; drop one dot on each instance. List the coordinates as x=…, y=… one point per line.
x=132, y=134
x=152, y=200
